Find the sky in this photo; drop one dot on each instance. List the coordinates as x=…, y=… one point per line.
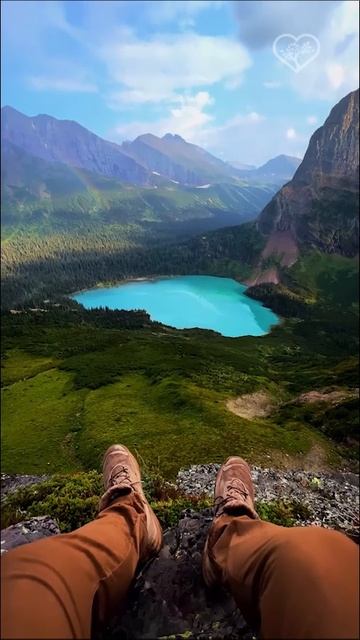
x=207, y=70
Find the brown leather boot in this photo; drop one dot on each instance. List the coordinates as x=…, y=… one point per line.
x=234, y=495
x=122, y=476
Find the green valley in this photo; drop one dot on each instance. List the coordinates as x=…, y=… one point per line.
x=75, y=381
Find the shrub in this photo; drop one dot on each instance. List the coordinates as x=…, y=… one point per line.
x=169, y=511
x=73, y=500
x=283, y=513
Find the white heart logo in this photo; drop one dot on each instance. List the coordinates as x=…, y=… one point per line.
x=296, y=52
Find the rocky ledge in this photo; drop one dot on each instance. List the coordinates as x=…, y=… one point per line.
x=331, y=498
x=168, y=598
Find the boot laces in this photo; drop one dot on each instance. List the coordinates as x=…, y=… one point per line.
x=120, y=475
x=236, y=488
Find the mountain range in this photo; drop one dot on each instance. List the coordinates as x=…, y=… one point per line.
x=57, y=174
x=51, y=196
x=135, y=162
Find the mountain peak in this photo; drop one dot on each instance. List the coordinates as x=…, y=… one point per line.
x=68, y=142
x=318, y=207
x=146, y=136
x=283, y=165
x=333, y=151
x=173, y=136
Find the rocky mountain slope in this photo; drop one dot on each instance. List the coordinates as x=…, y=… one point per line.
x=318, y=208
x=52, y=196
x=25, y=176
x=173, y=157
x=68, y=142
x=134, y=162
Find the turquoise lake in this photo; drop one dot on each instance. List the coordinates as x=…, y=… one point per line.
x=186, y=302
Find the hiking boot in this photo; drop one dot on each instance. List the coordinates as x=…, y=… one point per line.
x=121, y=474
x=234, y=495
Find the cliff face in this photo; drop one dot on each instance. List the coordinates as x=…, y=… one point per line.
x=333, y=154
x=318, y=208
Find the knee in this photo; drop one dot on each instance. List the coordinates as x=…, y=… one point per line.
x=310, y=549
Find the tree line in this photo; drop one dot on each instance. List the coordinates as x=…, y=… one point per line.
x=35, y=269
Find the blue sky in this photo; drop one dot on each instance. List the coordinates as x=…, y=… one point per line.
x=203, y=69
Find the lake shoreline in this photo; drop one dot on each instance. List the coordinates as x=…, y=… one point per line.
x=118, y=283
x=187, y=302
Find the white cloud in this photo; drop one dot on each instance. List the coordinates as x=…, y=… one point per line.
x=249, y=118
x=156, y=69
x=335, y=72
x=180, y=10
x=186, y=119
x=223, y=139
x=272, y=84
x=31, y=22
x=262, y=21
x=255, y=138
x=291, y=133
x=335, y=23
x=233, y=83
x=311, y=120
x=191, y=119
x=66, y=85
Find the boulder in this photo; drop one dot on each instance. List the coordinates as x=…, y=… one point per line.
x=27, y=531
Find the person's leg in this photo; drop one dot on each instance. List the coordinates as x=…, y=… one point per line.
x=300, y=582
x=58, y=587
x=48, y=587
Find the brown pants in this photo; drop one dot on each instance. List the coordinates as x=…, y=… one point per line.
x=292, y=583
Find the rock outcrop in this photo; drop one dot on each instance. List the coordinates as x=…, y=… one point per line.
x=28, y=531
x=318, y=208
x=331, y=499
